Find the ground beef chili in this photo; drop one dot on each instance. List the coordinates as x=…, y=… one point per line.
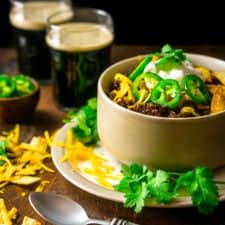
x=147, y=108
x=152, y=109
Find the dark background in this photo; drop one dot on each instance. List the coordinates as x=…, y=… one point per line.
x=151, y=22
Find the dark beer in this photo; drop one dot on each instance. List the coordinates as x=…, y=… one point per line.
x=33, y=56
x=80, y=52
x=29, y=24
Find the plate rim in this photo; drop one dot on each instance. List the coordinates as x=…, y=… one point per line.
x=90, y=187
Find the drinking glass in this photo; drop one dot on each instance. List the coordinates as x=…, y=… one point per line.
x=80, y=48
x=28, y=19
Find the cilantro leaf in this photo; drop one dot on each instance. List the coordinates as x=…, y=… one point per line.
x=166, y=48
x=86, y=117
x=136, y=171
x=137, y=198
x=170, y=58
x=161, y=187
x=134, y=185
x=179, y=55
x=3, y=148
x=139, y=184
x=167, y=63
x=199, y=183
x=133, y=176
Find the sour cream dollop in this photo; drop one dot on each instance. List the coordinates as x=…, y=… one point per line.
x=177, y=73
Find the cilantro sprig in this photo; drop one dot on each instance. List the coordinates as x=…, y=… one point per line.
x=86, y=117
x=140, y=185
x=170, y=58
x=200, y=185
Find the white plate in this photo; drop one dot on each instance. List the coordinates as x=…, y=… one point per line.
x=86, y=183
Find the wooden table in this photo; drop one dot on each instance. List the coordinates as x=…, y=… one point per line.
x=48, y=116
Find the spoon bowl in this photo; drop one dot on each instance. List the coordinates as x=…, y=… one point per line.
x=60, y=210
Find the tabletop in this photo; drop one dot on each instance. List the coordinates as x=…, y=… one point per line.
x=49, y=117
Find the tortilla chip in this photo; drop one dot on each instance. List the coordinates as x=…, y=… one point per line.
x=218, y=100
x=187, y=111
x=219, y=75
x=212, y=88
x=206, y=73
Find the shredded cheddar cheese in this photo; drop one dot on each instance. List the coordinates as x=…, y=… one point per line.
x=25, y=161
x=13, y=135
x=30, y=221
x=41, y=186
x=6, y=216
x=125, y=88
x=77, y=153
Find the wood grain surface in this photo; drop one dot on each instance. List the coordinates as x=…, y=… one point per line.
x=49, y=117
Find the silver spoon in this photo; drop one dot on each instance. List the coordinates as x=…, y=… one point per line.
x=60, y=210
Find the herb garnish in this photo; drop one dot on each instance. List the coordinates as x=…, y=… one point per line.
x=170, y=58
x=140, y=184
x=3, y=148
x=86, y=117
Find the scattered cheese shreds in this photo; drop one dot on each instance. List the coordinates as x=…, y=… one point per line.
x=41, y=186
x=14, y=135
x=6, y=217
x=12, y=214
x=25, y=161
x=77, y=153
x=30, y=221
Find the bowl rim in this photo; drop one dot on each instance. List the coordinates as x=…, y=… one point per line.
x=150, y=117
x=37, y=88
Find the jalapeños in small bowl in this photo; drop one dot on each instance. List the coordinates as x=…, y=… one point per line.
x=15, y=86
x=190, y=130
x=19, y=95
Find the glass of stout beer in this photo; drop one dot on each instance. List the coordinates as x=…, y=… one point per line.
x=28, y=19
x=80, y=51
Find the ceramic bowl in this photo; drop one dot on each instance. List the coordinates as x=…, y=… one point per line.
x=19, y=109
x=167, y=143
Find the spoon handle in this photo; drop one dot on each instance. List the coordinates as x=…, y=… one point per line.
x=116, y=221
x=96, y=221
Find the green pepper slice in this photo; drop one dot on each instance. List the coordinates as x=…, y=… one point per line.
x=7, y=86
x=167, y=93
x=24, y=85
x=140, y=68
x=196, y=89
x=143, y=85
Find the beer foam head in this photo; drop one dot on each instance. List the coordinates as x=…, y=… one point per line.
x=79, y=37
x=33, y=15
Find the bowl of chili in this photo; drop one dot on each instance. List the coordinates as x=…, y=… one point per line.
x=19, y=96
x=162, y=140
